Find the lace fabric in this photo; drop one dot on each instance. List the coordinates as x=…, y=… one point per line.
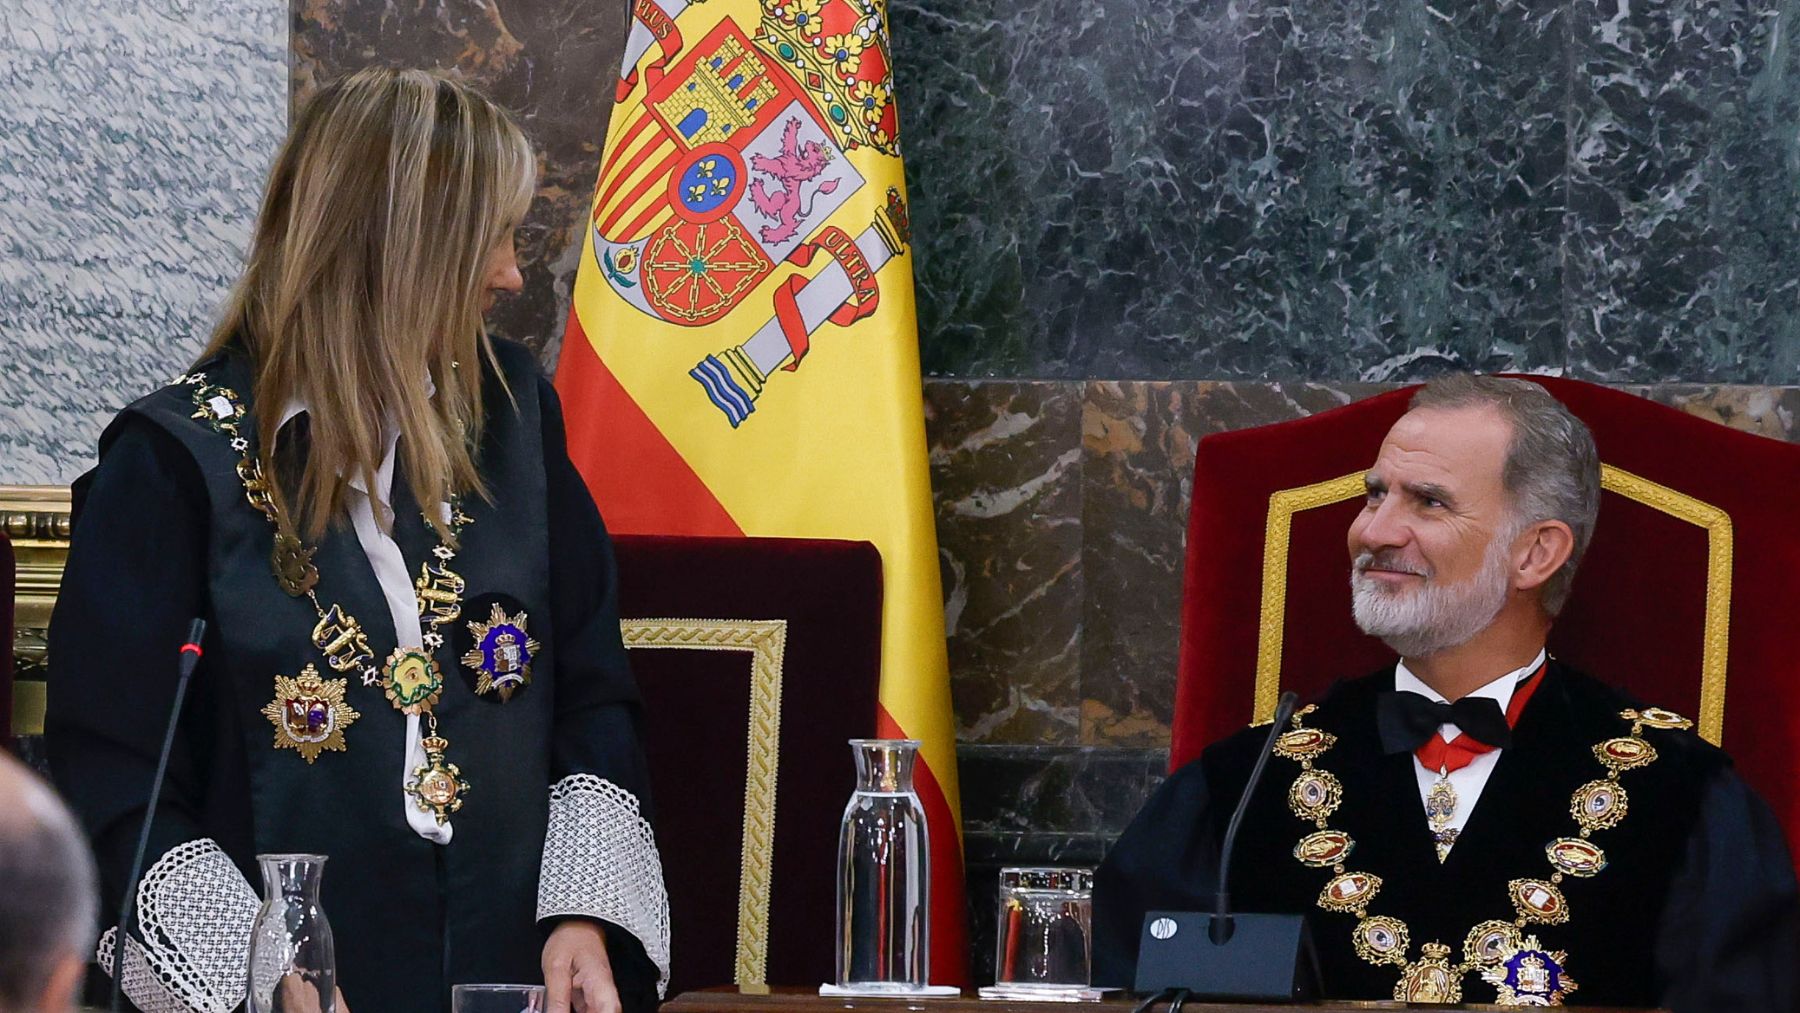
x=600, y=861
x=194, y=912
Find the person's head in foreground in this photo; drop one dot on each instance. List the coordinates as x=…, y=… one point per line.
x=386, y=232
x=48, y=901
x=1480, y=504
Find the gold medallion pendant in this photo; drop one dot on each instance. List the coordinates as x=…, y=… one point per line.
x=1430, y=978
x=309, y=714
x=437, y=785
x=412, y=679
x=1440, y=809
x=502, y=655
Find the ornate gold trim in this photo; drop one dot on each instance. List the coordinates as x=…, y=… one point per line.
x=1715, y=633
x=766, y=642
x=36, y=520
x=1715, y=642
x=1278, y=533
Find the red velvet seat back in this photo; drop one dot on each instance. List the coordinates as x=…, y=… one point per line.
x=1688, y=595
x=721, y=745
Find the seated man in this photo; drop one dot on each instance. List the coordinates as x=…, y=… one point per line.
x=1480, y=823
x=48, y=899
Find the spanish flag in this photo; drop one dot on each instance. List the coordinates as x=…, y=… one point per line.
x=742, y=356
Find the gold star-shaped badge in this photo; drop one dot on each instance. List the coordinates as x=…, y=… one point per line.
x=309, y=713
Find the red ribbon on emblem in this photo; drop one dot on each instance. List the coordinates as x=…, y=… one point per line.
x=864, y=294
x=668, y=39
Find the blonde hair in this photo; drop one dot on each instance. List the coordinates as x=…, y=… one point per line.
x=364, y=284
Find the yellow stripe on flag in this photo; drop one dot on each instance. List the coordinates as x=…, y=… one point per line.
x=746, y=320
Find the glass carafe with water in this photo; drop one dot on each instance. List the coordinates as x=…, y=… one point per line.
x=293, y=965
x=884, y=873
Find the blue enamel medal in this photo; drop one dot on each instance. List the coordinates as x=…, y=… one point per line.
x=1531, y=976
x=502, y=653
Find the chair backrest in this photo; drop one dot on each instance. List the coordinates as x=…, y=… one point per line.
x=1686, y=597
x=757, y=658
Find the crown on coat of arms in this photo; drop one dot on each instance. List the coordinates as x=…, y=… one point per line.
x=838, y=51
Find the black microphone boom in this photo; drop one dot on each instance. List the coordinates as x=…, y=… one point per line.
x=190, y=656
x=1220, y=928
x=1266, y=957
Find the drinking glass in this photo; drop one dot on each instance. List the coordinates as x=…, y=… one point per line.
x=497, y=999
x=1046, y=927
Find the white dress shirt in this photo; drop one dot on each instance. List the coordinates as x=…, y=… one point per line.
x=1470, y=780
x=403, y=606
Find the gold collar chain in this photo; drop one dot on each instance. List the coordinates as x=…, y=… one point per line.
x=411, y=678
x=1522, y=971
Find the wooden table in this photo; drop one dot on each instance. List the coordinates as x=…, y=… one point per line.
x=800, y=1000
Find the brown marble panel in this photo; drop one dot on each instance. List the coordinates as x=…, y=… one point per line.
x=1139, y=438
x=1006, y=478
x=1766, y=411
x=553, y=63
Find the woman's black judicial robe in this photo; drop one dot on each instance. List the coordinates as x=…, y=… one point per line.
x=1696, y=910
x=163, y=533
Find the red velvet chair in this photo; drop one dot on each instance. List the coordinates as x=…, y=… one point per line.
x=1686, y=597
x=757, y=658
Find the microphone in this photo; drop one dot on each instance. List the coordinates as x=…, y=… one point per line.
x=1267, y=957
x=190, y=656
x=1220, y=928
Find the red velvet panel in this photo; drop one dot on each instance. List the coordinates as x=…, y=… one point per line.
x=1636, y=614
x=696, y=725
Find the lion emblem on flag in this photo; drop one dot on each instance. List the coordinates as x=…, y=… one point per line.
x=731, y=164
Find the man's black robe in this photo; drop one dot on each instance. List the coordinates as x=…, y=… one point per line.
x=1697, y=910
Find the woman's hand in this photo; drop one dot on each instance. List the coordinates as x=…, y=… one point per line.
x=298, y=994
x=577, y=975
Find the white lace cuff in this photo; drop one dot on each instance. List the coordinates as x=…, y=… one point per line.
x=194, y=914
x=600, y=861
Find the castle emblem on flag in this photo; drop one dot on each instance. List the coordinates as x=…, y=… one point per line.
x=731, y=165
x=741, y=356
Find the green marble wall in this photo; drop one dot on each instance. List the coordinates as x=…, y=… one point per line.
x=1363, y=190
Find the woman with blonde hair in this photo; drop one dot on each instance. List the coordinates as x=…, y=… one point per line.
x=412, y=661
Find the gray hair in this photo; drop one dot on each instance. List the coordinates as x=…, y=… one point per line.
x=49, y=903
x=1552, y=470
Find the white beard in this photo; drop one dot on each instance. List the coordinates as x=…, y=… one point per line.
x=1433, y=617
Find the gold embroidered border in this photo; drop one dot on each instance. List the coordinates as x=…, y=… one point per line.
x=1715, y=633
x=765, y=640
x=1715, y=643
x=1278, y=533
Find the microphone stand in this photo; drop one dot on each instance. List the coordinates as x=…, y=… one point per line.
x=1198, y=954
x=1219, y=929
x=190, y=657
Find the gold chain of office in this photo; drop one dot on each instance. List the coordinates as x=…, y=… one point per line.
x=410, y=677
x=1523, y=972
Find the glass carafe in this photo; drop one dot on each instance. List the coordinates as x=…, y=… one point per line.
x=884, y=873
x=293, y=967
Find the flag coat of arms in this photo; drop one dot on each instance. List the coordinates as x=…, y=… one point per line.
x=742, y=355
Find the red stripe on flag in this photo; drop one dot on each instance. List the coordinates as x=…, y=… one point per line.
x=657, y=177
x=641, y=484
x=949, y=908
x=632, y=133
